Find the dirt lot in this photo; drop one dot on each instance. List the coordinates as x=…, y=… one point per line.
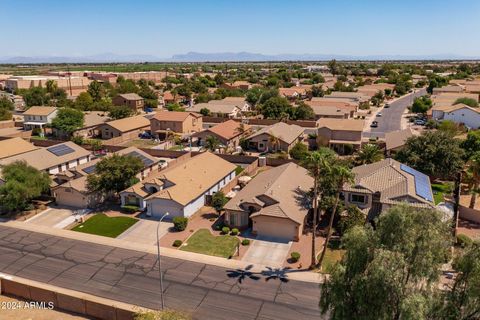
x=8, y=311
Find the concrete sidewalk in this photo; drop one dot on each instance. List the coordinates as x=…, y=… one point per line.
x=298, y=275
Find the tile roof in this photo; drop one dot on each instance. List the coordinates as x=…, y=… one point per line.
x=395, y=139
x=285, y=132
x=341, y=124
x=176, y=116
x=39, y=111
x=285, y=185
x=130, y=123
x=14, y=146
x=130, y=96
x=393, y=183
x=228, y=129
x=43, y=159
x=190, y=179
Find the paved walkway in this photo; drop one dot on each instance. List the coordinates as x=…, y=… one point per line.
x=131, y=276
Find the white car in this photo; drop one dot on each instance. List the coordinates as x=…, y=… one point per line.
x=379, y=114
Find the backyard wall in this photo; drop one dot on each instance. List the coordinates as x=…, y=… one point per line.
x=469, y=214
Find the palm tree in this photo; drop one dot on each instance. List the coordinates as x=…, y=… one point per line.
x=339, y=175
x=474, y=168
x=212, y=143
x=317, y=163
x=274, y=141
x=369, y=153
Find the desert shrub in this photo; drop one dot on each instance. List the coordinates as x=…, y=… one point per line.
x=225, y=230
x=295, y=256
x=177, y=243
x=130, y=209
x=180, y=223
x=234, y=231
x=464, y=240
x=245, y=242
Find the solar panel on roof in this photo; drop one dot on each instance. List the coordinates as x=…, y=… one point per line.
x=60, y=150
x=90, y=169
x=146, y=162
x=422, y=183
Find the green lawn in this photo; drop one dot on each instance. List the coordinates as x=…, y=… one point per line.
x=439, y=190
x=204, y=242
x=103, y=225
x=177, y=148
x=333, y=255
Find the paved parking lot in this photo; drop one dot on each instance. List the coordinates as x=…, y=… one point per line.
x=266, y=252
x=145, y=231
x=54, y=218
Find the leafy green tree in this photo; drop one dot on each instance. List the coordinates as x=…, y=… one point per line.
x=84, y=101
x=369, y=153
x=68, y=120
x=22, y=184
x=96, y=90
x=299, y=151
x=333, y=66
x=437, y=154
x=392, y=272
x=212, y=143
x=175, y=107
x=51, y=86
x=468, y=101
x=6, y=103
x=114, y=173
x=275, y=108
x=353, y=217
x=448, y=127
x=219, y=200
x=5, y=115
x=378, y=98
x=421, y=105
x=472, y=143
x=317, y=91
x=205, y=112
x=303, y=112
x=35, y=96
x=120, y=112
x=462, y=299
x=474, y=170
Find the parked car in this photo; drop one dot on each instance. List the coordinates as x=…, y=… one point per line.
x=420, y=122
x=379, y=114
x=374, y=124
x=387, y=106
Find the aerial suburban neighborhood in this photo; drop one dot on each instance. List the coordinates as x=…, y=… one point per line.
x=239, y=185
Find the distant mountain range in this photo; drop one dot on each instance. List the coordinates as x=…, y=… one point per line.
x=221, y=57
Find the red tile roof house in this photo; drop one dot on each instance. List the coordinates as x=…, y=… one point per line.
x=270, y=205
x=228, y=133
x=277, y=137
x=132, y=100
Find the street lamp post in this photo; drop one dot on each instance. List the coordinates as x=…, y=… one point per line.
x=159, y=261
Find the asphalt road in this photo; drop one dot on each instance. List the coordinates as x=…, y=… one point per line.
x=209, y=292
x=391, y=118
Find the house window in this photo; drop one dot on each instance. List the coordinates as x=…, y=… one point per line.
x=358, y=198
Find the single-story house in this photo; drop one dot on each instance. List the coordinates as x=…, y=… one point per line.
x=54, y=159
x=459, y=113
x=92, y=121
x=183, y=123
x=395, y=140
x=181, y=190
x=277, y=137
x=15, y=146
x=242, y=85
x=229, y=107
x=131, y=100
x=448, y=88
x=271, y=203
x=72, y=190
x=381, y=185
x=336, y=133
x=295, y=92
x=131, y=125
x=38, y=117
x=228, y=133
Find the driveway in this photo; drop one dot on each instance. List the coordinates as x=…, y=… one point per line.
x=267, y=252
x=56, y=217
x=145, y=231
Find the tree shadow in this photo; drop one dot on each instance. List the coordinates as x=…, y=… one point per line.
x=270, y=273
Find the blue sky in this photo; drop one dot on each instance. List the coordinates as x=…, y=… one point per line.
x=163, y=28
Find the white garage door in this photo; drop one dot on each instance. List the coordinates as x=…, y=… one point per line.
x=274, y=228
